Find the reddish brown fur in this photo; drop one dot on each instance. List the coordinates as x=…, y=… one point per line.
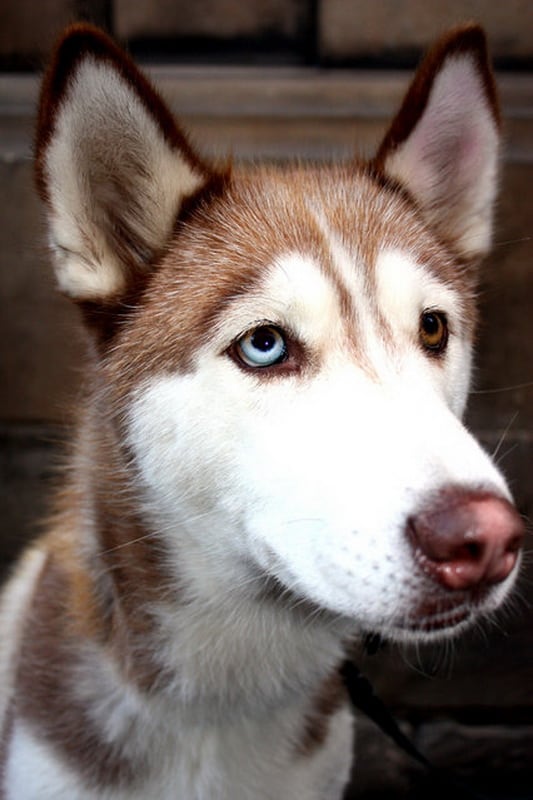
x=331, y=696
x=100, y=599
x=110, y=589
x=47, y=699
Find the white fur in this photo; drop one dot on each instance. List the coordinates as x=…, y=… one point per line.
x=405, y=289
x=295, y=475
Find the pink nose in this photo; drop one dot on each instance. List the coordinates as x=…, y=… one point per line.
x=466, y=539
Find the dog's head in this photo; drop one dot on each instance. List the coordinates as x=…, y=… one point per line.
x=287, y=350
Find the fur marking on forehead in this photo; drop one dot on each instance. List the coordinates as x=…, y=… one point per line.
x=224, y=253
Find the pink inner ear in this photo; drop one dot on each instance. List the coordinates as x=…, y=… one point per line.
x=456, y=154
x=455, y=130
x=472, y=153
x=448, y=160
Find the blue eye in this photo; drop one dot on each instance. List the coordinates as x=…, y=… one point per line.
x=263, y=346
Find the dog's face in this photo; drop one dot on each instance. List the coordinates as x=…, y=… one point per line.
x=291, y=374
x=307, y=415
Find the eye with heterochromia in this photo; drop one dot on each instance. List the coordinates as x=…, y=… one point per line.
x=263, y=346
x=433, y=331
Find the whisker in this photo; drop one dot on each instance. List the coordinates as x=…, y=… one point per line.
x=513, y=241
x=128, y=543
x=504, y=434
x=152, y=534
x=497, y=390
x=507, y=453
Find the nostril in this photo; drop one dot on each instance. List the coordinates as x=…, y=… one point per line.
x=472, y=550
x=465, y=539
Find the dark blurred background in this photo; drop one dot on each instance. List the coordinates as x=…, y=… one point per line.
x=315, y=79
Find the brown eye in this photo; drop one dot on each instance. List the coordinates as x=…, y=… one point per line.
x=433, y=331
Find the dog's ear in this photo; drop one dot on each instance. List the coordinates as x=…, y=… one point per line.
x=111, y=164
x=443, y=145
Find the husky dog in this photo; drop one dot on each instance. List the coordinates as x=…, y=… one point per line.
x=270, y=457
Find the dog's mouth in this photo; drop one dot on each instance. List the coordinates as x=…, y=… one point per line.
x=434, y=616
x=438, y=620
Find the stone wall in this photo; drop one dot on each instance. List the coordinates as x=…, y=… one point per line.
x=330, y=32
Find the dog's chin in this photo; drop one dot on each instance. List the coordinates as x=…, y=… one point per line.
x=433, y=627
x=434, y=621
x=430, y=619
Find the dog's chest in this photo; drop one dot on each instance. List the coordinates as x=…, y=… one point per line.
x=249, y=760
x=259, y=761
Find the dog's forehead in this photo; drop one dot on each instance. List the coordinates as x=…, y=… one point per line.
x=268, y=212
x=277, y=244
x=264, y=213
x=277, y=210
x=274, y=230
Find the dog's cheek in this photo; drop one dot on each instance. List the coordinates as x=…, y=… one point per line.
x=184, y=432
x=315, y=520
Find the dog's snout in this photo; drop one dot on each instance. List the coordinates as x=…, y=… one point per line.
x=465, y=539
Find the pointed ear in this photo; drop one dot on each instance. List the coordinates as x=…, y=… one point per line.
x=111, y=164
x=443, y=144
